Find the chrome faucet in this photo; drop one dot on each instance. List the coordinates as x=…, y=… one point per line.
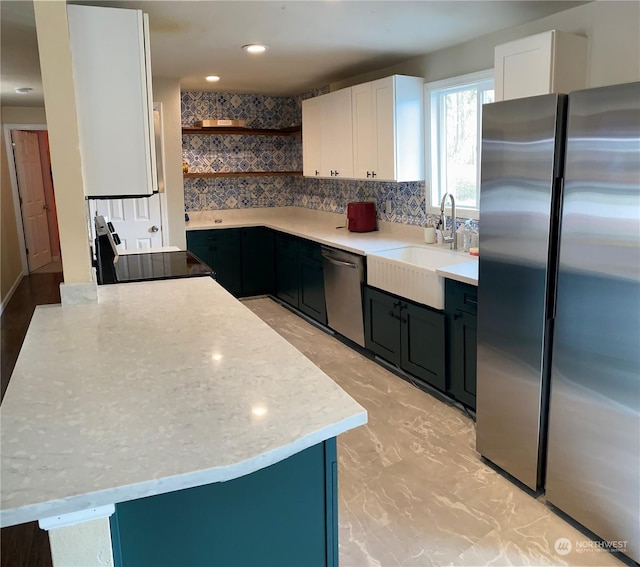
x=452, y=239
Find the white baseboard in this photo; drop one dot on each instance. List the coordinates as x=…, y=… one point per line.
x=15, y=285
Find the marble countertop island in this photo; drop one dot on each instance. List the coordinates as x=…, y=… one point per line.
x=158, y=387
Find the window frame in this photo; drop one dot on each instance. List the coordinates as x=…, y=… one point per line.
x=433, y=154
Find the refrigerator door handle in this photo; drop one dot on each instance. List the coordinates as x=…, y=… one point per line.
x=554, y=240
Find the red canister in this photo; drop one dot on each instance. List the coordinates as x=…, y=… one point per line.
x=361, y=216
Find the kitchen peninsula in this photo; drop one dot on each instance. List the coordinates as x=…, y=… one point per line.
x=213, y=437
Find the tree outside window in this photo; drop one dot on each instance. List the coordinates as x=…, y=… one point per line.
x=456, y=112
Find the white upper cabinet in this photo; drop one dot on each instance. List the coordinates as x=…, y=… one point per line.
x=388, y=129
x=327, y=148
x=112, y=77
x=336, y=134
x=311, y=132
x=550, y=62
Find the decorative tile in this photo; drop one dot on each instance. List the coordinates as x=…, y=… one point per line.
x=278, y=153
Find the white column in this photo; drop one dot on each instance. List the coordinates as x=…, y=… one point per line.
x=81, y=539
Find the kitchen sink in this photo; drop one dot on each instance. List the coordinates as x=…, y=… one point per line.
x=410, y=271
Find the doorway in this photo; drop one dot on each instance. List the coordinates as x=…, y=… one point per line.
x=33, y=195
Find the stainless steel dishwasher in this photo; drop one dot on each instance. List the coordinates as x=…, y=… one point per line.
x=343, y=278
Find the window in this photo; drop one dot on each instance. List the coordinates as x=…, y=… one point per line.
x=454, y=115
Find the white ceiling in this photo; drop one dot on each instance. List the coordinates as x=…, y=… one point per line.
x=311, y=43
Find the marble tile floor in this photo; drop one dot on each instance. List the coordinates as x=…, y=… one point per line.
x=412, y=489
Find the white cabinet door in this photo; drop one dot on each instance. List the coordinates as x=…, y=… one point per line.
x=112, y=79
x=311, y=132
x=550, y=62
x=364, y=136
x=336, y=137
x=388, y=129
x=384, y=124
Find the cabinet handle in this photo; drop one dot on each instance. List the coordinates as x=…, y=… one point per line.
x=336, y=173
x=373, y=174
x=392, y=314
x=368, y=174
x=317, y=172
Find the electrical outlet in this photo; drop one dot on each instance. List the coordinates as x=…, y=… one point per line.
x=387, y=207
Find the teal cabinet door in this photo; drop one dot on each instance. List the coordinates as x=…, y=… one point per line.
x=199, y=243
x=407, y=334
x=284, y=515
x=423, y=343
x=464, y=360
x=228, y=260
x=461, y=306
x=221, y=251
x=311, y=295
x=287, y=276
x=258, y=261
x=382, y=324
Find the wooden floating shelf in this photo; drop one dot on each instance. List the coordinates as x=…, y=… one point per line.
x=245, y=174
x=221, y=130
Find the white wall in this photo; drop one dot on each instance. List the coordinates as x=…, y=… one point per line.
x=167, y=91
x=613, y=30
x=64, y=142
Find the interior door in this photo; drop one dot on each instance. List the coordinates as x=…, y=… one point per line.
x=138, y=222
x=33, y=204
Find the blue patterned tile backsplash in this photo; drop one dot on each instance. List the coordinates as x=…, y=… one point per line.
x=225, y=153
x=217, y=193
x=245, y=153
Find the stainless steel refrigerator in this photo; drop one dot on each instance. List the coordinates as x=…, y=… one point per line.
x=558, y=393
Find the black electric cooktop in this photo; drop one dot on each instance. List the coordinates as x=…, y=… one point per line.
x=159, y=266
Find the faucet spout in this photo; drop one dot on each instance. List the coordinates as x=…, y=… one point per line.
x=452, y=238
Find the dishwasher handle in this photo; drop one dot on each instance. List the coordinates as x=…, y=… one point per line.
x=339, y=262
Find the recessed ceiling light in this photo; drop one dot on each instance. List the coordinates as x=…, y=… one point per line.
x=254, y=48
x=23, y=90
x=212, y=78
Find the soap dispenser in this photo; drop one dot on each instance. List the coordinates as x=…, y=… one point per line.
x=467, y=232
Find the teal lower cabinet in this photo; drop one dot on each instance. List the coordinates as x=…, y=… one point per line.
x=299, y=276
x=280, y=516
x=242, y=258
x=382, y=324
x=407, y=334
x=258, y=260
x=221, y=250
x=461, y=307
x=287, y=276
x=423, y=343
x=311, y=274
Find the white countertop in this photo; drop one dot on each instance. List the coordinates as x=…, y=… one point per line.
x=159, y=386
x=465, y=273
x=321, y=227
